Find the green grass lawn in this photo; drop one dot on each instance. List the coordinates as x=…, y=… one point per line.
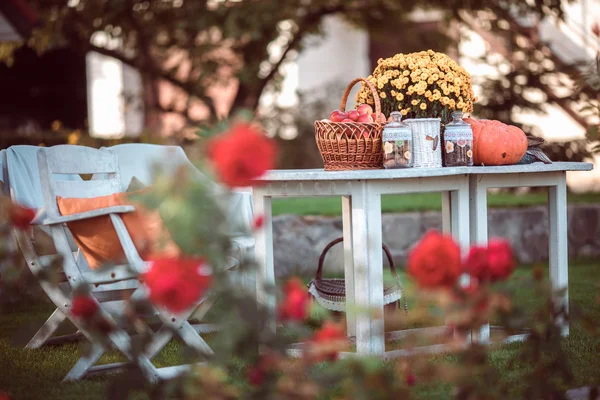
x=415, y=202
x=35, y=374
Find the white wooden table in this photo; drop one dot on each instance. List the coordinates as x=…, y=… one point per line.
x=464, y=208
x=552, y=176
x=361, y=207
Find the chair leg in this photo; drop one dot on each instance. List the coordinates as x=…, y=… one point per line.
x=47, y=330
x=159, y=340
x=166, y=331
x=193, y=339
x=85, y=363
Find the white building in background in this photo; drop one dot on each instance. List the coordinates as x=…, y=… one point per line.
x=114, y=90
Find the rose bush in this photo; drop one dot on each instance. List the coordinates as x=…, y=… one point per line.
x=238, y=370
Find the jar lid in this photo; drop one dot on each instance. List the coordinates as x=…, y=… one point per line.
x=457, y=122
x=396, y=121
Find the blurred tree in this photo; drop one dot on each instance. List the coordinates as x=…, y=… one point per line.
x=201, y=47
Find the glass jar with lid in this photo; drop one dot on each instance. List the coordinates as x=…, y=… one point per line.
x=397, y=143
x=458, y=142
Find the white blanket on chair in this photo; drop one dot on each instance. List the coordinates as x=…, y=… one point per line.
x=21, y=177
x=137, y=160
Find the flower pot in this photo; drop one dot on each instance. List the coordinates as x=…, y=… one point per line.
x=427, y=146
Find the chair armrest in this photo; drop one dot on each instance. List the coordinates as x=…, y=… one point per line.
x=88, y=214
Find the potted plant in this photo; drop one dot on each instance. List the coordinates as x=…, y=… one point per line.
x=426, y=87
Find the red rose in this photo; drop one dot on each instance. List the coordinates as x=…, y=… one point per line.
x=21, y=217
x=258, y=223
x=242, y=155
x=410, y=380
x=501, y=259
x=435, y=261
x=477, y=264
x=256, y=376
x=491, y=263
x=177, y=283
x=328, y=341
x=296, y=301
x=257, y=373
x=84, y=307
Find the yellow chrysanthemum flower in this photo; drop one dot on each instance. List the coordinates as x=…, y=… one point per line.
x=407, y=81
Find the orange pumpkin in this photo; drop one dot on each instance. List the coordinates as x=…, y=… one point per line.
x=495, y=143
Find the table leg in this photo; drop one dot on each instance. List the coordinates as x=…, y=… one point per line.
x=368, y=265
x=348, y=265
x=459, y=201
x=558, y=246
x=460, y=215
x=479, y=230
x=446, y=213
x=478, y=211
x=263, y=250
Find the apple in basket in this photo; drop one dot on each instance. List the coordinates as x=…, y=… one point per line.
x=338, y=116
x=353, y=115
x=348, y=120
x=364, y=109
x=365, y=118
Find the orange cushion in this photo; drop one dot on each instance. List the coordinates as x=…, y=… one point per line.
x=97, y=237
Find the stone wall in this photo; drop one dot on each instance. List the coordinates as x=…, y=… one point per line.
x=298, y=241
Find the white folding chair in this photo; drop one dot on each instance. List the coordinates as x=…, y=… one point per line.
x=21, y=182
x=140, y=159
x=83, y=160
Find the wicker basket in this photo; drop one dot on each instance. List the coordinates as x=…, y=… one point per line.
x=351, y=145
x=331, y=293
x=427, y=142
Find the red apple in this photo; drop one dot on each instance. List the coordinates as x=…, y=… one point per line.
x=353, y=115
x=364, y=109
x=338, y=116
x=366, y=118
x=348, y=120
x=381, y=118
x=364, y=132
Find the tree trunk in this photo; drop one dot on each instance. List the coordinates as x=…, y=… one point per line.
x=152, y=114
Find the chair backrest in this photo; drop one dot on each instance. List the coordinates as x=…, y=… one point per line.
x=140, y=159
x=75, y=160
x=21, y=176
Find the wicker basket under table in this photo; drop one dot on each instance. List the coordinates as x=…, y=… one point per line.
x=331, y=293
